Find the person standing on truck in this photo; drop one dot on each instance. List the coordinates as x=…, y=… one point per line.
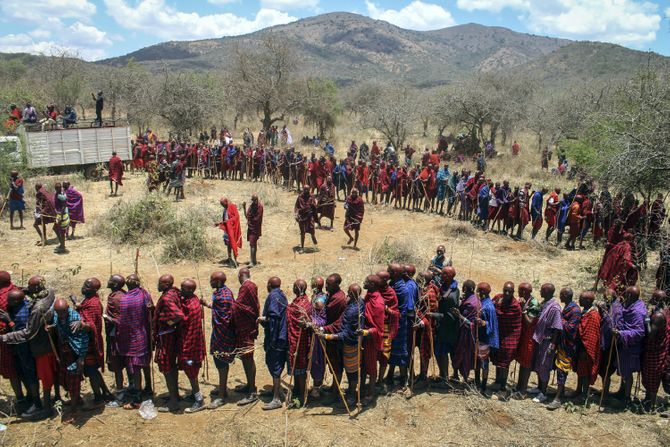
x=115, y=174
x=99, y=104
x=16, y=202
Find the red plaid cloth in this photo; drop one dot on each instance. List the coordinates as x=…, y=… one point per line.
x=427, y=303
x=7, y=369
x=393, y=313
x=589, y=335
x=524, y=353
x=509, y=331
x=114, y=361
x=246, y=310
x=166, y=336
x=299, y=340
x=654, y=360
x=193, y=346
x=70, y=381
x=90, y=311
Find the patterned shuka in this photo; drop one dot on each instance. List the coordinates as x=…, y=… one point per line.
x=222, y=341
x=524, y=354
x=299, y=339
x=192, y=344
x=655, y=356
x=589, y=340
x=549, y=321
x=509, y=330
x=7, y=369
x=246, y=310
x=427, y=304
x=72, y=346
x=567, y=342
x=134, y=328
x=114, y=362
x=90, y=311
x=166, y=335
x=465, y=351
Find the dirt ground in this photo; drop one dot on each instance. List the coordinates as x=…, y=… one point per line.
x=428, y=418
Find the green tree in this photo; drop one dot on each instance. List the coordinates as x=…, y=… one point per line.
x=321, y=106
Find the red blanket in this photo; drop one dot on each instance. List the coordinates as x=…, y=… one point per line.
x=231, y=226
x=392, y=311
x=509, y=330
x=116, y=170
x=297, y=313
x=589, y=336
x=90, y=310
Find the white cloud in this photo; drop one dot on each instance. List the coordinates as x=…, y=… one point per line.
x=283, y=5
x=79, y=39
x=39, y=10
x=490, y=5
x=417, y=16
x=222, y=2
x=627, y=22
x=168, y=22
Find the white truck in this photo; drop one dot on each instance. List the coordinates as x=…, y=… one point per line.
x=76, y=148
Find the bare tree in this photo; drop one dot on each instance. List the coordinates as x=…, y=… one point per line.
x=321, y=106
x=263, y=79
x=392, y=110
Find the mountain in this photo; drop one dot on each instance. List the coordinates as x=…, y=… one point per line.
x=349, y=48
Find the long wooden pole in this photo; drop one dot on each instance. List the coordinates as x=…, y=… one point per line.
x=332, y=370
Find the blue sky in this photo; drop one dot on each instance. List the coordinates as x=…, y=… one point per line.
x=96, y=29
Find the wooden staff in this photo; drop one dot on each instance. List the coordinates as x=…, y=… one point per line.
x=606, y=377
x=411, y=361
x=337, y=382
x=137, y=258
x=204, y=331
x=309, y=370
x=295, y=357
x=360, y=379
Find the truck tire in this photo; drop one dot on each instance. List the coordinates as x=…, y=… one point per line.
x=91, y=172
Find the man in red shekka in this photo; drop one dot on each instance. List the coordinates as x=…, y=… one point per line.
x=353, y=217
x=90, y=311
x=618, y=270
x=192, y=344
x=427, y=305
x=326, y=202
x=335, y=305
x=115, y=174
x=373, y=333
x=168, y=319
x=656, y=348
x=589, y=357
x=246, y=310
x=551, y=212
x=7, y=369
x=508, y=312
x=111, y=316
x=299, y=338
x=305, y=214
x=232, y=233
x=254, y=215
x=391, y=322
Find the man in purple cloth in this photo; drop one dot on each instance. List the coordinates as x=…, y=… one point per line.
x=627, y=322
x=75, y=205
x=222, y=342
x=548, y=328
x=467, y=313
x=133, y=335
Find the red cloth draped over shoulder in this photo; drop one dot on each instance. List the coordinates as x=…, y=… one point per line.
x=355, y=209
x=617, y=268
x=393, y=312
x=90, y=311
x=192, y=336
x=246, y=310
x=298, y=312
x=254, y=217
x=374, y=319
x=589, y=336
x=427, y=303
x=509, y=330
x=232, y=228
x=116, y=170
x=7, y=369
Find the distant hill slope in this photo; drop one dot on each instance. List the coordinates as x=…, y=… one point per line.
x=349, y=48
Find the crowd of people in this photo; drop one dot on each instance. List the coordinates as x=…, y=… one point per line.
x=51, y=117
x=365, y=333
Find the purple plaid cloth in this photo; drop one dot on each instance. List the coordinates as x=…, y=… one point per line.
x=550, y=320
x=222, y=341
x=631, y=336
x=133, y=329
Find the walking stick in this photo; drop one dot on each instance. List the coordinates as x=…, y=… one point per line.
x=204, y=331
x=606, y=377
x=337, y=382
x=309, y=370
x=411, y=362
x=295, y=357
x=360, y=379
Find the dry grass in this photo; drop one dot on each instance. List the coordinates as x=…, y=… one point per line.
x=459, y=229
x=403, y=251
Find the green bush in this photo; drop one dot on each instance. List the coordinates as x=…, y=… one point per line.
x=154, y=219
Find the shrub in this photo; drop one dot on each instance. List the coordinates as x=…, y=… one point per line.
x=393, y=250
